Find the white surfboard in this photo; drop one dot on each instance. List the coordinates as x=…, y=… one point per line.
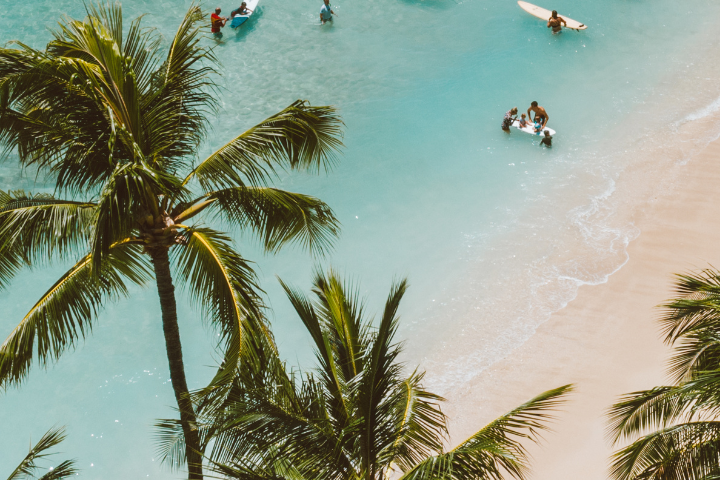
x=540, y=12
x=530, y=128
x=238, y=20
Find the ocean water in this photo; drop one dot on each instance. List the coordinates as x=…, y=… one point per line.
x=494, y=232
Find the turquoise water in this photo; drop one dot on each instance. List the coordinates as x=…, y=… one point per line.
x=494, y=232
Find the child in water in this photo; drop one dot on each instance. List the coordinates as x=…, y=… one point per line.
x=523, y=121
x=547, y=139
x=538, y=126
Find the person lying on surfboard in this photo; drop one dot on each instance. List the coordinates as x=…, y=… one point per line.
x=242, y=10
x=554, y=22
x=540, y=114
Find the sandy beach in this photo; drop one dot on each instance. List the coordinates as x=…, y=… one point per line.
x=606, y=341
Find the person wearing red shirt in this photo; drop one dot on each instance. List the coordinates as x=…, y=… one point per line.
x=216, y=23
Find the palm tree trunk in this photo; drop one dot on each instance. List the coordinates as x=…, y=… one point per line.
x=166, y=291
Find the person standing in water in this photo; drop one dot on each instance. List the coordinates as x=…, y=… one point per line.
x=547, y=139
x=540, y=114
x=326, y=12
x=509, y=118
x=555, y=22
x=216, y=23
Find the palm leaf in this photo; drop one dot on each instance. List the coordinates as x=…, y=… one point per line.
x=221, y=282
x=66, y=311
x=299, y=137
x=689, y=451
x=497, y=448
x=34, y=228
x=28, y=467
x=277, y=217
x=418, y=424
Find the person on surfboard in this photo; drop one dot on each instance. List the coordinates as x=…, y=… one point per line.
x=540, y=114
x=326, y=12
x=555, y=22
x=242, y=10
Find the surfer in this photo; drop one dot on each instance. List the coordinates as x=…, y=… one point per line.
x=508, y=119
x=326, y=12
x=216, y=23
x=242, y=10
x=540, y=114
x=547, y=139
x=555, y=22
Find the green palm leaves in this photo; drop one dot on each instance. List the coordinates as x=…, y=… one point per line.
x=359, y=416
x=115, y=122
x=29, y=469
x=680, y=434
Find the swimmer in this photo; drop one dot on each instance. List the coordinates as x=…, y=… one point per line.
x=555, y=22
x=547, y=139
x=326, y=12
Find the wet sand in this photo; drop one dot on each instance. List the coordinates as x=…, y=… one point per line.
x=607, y=341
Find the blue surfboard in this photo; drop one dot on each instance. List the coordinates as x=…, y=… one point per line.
x=238, y=20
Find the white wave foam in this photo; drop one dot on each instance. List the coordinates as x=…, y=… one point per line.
x=704, y=112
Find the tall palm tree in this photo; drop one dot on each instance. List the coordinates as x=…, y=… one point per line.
x=676, y=428
x=29, y=469
x=358, y=417
x=116, y=123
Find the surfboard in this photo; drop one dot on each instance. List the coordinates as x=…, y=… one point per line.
x=540, y=12
x=240, y=19
x=529, y=128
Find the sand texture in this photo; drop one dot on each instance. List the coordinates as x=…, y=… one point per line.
x=606, y=341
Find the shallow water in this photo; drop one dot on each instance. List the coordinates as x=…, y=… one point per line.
x=494, y=232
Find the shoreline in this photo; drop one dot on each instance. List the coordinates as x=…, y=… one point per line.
x=606, y=341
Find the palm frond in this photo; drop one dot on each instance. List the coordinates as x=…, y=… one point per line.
x=36, y=228
x=498, y=447
x=697, y=308
x=379, y=379
x=132, y=189
x=299, y=137
x=28, y=467
x=689, y=451
x=641, y=411
x=223, y=284
x=66, y=311
x=278, y=217
x=176, y=110
x=418, y=424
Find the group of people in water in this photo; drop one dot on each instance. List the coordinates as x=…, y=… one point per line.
x=217, y=22
x=541, y=116
x=538, y=123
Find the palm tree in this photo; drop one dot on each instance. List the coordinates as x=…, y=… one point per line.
x=676, y=427
x=28, y=468
x=116, y=124
x=358, y=417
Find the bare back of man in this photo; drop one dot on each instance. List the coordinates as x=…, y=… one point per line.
x=540, y=113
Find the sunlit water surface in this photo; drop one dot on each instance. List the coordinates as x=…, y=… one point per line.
x=494, y=232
